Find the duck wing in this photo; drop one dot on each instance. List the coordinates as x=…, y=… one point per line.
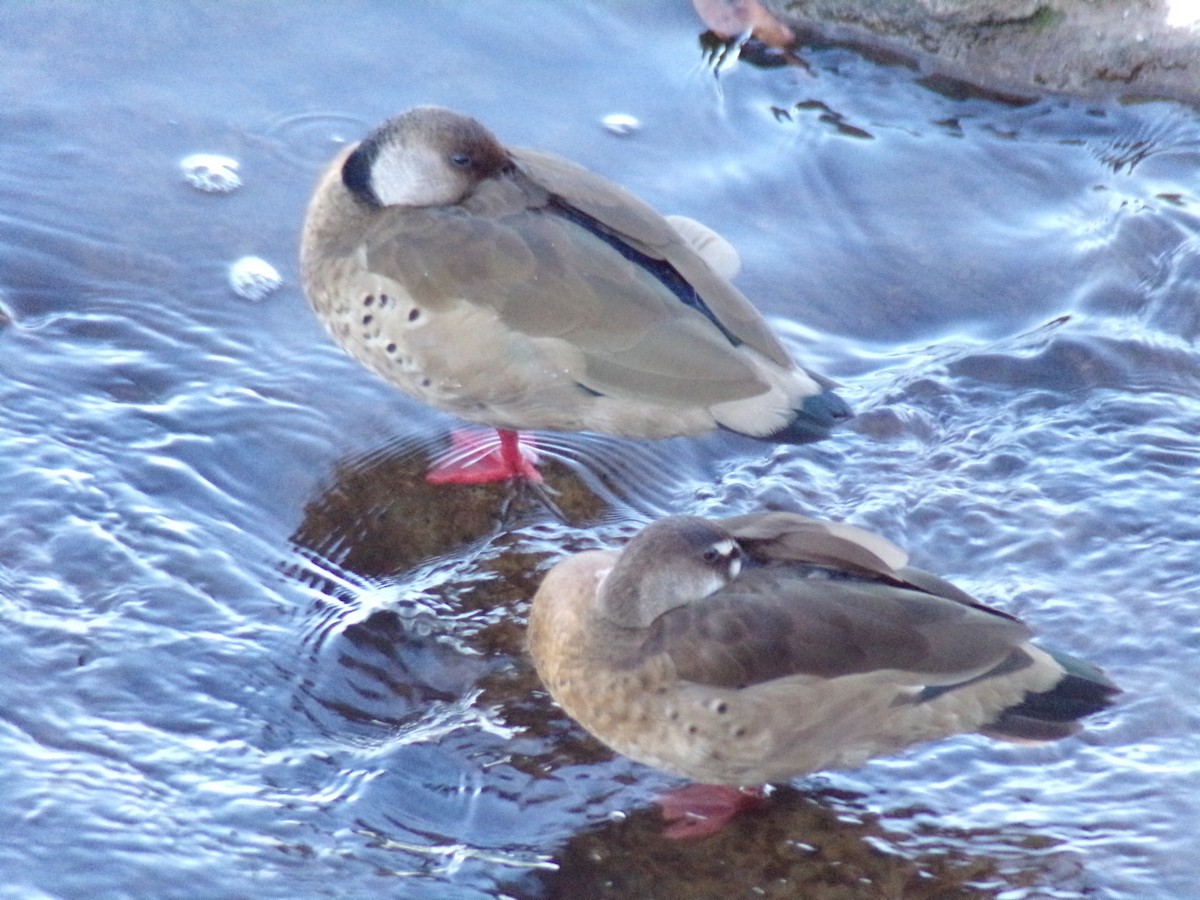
x=618, y=325
x=790, y=537
x=784, y=537
x=826, y=600
x=639, y=226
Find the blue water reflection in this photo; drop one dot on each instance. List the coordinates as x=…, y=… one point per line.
x=248, y=652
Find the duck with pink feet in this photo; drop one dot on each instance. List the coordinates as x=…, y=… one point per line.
x=517, y=290
x=757, y=649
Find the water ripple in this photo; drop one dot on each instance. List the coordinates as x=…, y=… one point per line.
x=249, y=650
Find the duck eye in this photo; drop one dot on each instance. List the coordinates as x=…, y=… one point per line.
x=462, y=160
x=725, y=554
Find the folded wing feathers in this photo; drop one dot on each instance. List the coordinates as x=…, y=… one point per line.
x=632, y=340
x=787, y=537
x=772, y=623
x=651, y=233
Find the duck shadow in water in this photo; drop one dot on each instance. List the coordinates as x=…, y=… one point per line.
x=812, y=842
x=378, y=517
x=417, y=588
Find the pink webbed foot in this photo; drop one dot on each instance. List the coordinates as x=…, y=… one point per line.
x=477, y=457
x=698, y=810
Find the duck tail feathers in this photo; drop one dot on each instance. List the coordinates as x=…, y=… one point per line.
x=1053, y=714
x=816, y=416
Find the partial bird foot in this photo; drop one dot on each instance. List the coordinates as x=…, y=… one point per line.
x=698, y=810
x=477, y=457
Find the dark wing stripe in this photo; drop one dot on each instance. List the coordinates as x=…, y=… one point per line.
x=1019, y=660
x=663, y=271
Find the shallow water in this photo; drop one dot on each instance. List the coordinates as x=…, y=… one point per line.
x=249, y=653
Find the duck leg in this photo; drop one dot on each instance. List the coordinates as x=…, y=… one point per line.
x=477, y=458
x=698, y=810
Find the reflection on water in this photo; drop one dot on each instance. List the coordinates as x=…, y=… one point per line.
x=249, y=651
x=819, y=843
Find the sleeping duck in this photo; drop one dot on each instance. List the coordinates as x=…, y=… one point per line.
x=760, y=648
x=518, y=290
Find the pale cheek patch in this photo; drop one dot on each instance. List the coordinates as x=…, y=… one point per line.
x=413, y=176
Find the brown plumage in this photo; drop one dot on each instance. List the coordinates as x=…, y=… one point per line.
x=763, y=647
x=518, y=290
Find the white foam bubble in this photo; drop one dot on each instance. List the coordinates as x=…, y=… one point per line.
x=211, y=173
x=621, y=124
x=253, y=278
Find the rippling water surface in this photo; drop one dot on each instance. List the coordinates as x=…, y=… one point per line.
x=247, y=652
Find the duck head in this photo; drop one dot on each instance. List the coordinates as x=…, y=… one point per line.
x=427, y=156
x=670, y=563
